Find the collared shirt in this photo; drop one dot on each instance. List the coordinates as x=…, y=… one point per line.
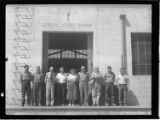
x=38, y=77
x=61, y=77
x=109, y=77
x=122, y=79
x=50, y=77
x=97, y=77
x=83, y=77
x=26, y=76
x=72, y=78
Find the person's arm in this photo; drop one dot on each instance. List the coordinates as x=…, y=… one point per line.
x=67, y=82
x=21, y=78
x=45, y=78
x=87, y=77
x=91, y=78
x=77, y=78
x=101, y=79
x=41, y=78
x=114, y=77
x=116, y=80
x=104, y=77
x=57, y=77
x=127, y=80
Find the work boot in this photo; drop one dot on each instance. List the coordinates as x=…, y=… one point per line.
x=106, y=104
x=120, y=104
x=113, y=104
x=124, y=104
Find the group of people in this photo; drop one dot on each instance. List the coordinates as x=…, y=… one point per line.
x=73, y=82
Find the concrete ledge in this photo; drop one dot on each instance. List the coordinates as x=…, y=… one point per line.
x=78, y=110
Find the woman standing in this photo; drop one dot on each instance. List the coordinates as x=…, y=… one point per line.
x=72, y=93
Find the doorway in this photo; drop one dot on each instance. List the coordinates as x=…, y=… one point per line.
x=68, y=50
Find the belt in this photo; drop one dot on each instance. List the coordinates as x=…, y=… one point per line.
x=109, y=82
x=26, y=80
x=83, y=81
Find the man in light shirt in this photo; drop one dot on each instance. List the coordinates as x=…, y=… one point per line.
x=122, y=81
x=61, y=78
x=50, y=80
x=96, y=80
x=37, y=86
x=83, y=86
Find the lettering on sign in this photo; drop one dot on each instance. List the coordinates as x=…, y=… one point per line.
x=67, y=25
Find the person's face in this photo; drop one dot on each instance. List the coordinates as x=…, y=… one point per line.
x=97, y=69
x=109, y=69
x=122, y=71
x=72, y=71
x=26, y=69
x=62, y=70
x=83, y=69
x=51, y=69
x=37, y=69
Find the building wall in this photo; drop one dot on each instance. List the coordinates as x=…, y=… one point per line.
x=106, y=25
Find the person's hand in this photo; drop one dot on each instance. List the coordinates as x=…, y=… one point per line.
x=31, y=85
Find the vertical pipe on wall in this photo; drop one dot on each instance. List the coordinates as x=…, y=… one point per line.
x=124, y=49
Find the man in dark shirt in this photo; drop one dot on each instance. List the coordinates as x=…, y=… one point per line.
x=37, y=83
x=109, y=79
x=26, y=78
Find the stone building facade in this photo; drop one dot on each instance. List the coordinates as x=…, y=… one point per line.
x=31, y=29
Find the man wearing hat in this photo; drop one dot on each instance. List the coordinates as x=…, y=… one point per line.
x=26, y=78
x=50, y=80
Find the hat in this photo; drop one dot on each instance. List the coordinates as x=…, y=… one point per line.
x=26, y=66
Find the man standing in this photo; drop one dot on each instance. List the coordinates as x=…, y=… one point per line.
x=83, y=86
x=109, y=79
x=50, y=80
x=122, y=81
x=96, y=80
x=61, y=78
x=37, y=85
x=26, y=78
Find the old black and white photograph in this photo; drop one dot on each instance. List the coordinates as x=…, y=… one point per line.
x=78, y=59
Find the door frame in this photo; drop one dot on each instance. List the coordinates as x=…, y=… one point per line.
x=45, y=45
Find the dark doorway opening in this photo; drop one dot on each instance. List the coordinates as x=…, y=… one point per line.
x=67, y=49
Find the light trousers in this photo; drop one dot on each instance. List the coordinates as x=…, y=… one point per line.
x=50, y=88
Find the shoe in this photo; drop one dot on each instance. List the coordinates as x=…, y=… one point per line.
x=120, y=104
x=69, y=104
x=125, y=104
x=106, y=104
x=113, y=104
x=85, y=104
x=93, y=104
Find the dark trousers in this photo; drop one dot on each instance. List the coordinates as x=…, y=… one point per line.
x=37, y=93
x=61, y=93
x=122, y=90
x=109, y=92
x=26, y=89
x=83, y=89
